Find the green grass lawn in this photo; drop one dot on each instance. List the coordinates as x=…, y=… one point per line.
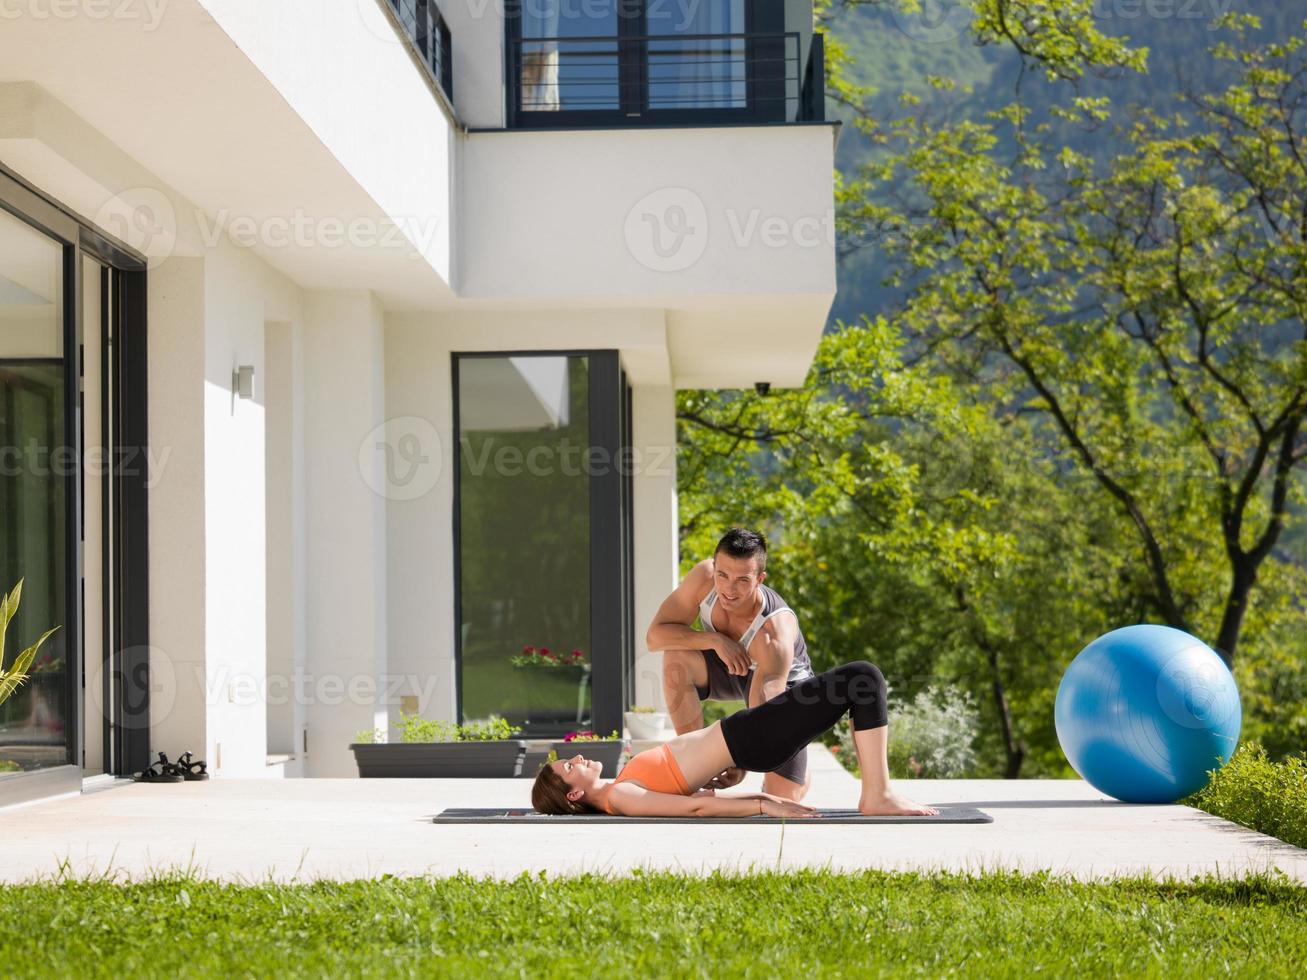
x=807, y=923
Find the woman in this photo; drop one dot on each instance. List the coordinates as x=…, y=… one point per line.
x=662, y=782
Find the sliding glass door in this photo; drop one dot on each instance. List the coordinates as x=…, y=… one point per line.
x=74, y=477
x=34, y=466
x=542, y=507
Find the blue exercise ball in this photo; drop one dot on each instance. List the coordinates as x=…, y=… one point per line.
x=1144, y=712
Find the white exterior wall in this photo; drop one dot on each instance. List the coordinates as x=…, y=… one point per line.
x=234, y=518
x=342, y=68
x=582, y=206
x=345, y=525
x=178, y=569
x=657, y=539
x=284, y=442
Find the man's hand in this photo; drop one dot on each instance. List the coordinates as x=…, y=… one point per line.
x=726, y=778
x=734, y=656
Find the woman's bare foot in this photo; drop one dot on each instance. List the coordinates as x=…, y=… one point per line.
x=893, y=805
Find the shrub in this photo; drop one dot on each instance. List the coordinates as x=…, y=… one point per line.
x=1250, y=789
x=930, y=738
x=414, y=728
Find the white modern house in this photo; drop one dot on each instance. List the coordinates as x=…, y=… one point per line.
x=339, y=342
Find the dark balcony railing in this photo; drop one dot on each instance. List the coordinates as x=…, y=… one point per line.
x=425, y=30
x=670, y=78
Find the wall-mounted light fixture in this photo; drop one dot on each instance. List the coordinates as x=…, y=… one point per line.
x=242, y=381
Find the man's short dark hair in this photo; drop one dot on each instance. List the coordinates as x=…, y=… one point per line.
x=740, y=542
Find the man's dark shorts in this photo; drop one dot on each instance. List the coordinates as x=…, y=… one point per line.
x=725, y=686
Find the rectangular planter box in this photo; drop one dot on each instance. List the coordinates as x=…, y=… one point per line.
x=608, y=751
x=425, y=760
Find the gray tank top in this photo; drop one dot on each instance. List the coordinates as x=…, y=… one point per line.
x=772, y=604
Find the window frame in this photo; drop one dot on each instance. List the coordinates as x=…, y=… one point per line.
x=612, y=571
x=764, y=23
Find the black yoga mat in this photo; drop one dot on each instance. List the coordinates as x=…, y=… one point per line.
x=951, y=814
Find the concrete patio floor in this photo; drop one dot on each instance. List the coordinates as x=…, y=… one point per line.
x=302, y=829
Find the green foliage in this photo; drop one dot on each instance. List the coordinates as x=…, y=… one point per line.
x=414, y=728
x=717, y=710
x=911, y=529
x=1252, y=790
x=588, y=736
x=932, y=737
x=868, y=923
x=16, y=674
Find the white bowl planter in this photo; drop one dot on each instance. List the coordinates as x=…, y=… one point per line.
x=646, y=724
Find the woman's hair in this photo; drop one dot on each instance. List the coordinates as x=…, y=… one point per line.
x=549, y=794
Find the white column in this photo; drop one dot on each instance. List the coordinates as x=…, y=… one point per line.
x=208, y=624
x=284, y=347
x=235, y=510
x=178, y=707
x=653, y=433
x=345, y=526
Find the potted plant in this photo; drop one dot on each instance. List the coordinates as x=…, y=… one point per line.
x=441, y=749
x=602, y=748
x=18, y=672
x=645, y=722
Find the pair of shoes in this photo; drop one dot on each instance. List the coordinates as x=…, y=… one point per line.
x=184, y=769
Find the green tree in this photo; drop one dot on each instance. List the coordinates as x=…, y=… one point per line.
x=1149, y=305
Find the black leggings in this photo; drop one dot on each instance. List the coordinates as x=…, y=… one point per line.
x=766, y=737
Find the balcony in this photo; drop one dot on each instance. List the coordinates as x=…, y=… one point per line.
x=426, y=32
x=670, y=80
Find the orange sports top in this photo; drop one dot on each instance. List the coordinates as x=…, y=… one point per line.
x=656, y=770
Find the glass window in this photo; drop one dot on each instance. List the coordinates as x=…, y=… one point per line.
x=697, y=68
x=524, y=539
x=569, y=55
x=35, y=460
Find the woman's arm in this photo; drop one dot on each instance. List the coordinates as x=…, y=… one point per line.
x=636, y=801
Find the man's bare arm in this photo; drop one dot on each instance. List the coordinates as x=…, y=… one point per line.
x=670, y=629
x=773, y=650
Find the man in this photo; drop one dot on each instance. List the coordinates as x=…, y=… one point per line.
x=749, y=647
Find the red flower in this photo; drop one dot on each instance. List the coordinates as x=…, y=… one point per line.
x=577, y=654
x=544, y=652
x=528, y=650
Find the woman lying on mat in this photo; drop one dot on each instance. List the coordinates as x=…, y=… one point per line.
x=662, y=782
